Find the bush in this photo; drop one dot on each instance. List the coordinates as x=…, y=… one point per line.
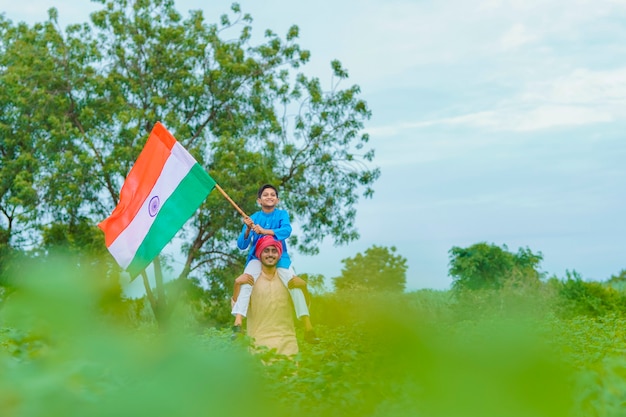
x=579, y=297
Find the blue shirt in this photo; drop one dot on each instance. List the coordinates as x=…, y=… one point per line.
x=278, y=221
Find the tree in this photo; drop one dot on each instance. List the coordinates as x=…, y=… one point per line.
x=487, y=266
x=316, y=283
x=87, y=98
x=19, y=155
x=377, y=269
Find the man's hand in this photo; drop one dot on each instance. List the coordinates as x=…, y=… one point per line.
x=244, y=279
x=296, y=282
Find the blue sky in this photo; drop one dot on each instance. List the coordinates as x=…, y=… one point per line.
x=493, y=121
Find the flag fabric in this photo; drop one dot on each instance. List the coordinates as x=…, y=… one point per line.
x=163, y=189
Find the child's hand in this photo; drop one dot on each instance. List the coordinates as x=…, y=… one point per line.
x=248, y=221
x=259, y=230
x=244, y=279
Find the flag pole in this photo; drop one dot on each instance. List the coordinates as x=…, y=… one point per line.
x=230, y=200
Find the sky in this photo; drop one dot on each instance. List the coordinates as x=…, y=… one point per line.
x=493, y=121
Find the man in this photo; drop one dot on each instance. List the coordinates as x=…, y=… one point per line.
x=270, y=314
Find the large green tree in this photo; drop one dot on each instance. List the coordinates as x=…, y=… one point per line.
x=379, y=268
x=19, y=156
x=79, y=103
x=488, y=266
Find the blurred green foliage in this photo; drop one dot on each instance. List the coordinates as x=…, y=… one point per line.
x=70, y=347
x=65, y=353
x=591, y=298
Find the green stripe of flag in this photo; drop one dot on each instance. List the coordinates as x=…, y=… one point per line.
x=173, y=214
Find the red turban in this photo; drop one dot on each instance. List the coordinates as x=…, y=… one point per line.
x=266, y=241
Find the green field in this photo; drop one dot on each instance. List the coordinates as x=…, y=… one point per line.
x=67, y=349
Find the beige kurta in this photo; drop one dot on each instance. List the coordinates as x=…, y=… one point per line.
x=270, y=316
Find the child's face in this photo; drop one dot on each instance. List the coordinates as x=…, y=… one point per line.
x=268, y=198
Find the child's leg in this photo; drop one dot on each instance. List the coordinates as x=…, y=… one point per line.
x=242, y=297
x=297, y=294
x=300, y=303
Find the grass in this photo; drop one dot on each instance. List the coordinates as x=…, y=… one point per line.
x=66, y=351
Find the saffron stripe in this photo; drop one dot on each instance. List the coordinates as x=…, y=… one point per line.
x=174, y=171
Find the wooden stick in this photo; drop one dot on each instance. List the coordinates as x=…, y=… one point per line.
x=230, y=200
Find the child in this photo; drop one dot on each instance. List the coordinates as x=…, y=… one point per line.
x=274, y=222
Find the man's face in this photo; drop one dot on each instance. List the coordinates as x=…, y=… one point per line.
x=268, y=198
x=269, y=256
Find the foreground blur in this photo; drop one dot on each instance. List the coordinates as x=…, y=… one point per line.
x=67, y=348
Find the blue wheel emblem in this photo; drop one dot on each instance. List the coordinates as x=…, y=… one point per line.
x=153, y=207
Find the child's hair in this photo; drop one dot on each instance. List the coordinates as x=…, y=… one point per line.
x=264, y=187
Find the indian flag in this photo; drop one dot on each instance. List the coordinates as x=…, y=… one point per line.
x=163, y=189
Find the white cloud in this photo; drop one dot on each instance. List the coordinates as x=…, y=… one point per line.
x=582, y=86
x=581, y=97
x=578, y=98
x=390, y=43
x=545, y=117
x=517, y=35
x=509, y=119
